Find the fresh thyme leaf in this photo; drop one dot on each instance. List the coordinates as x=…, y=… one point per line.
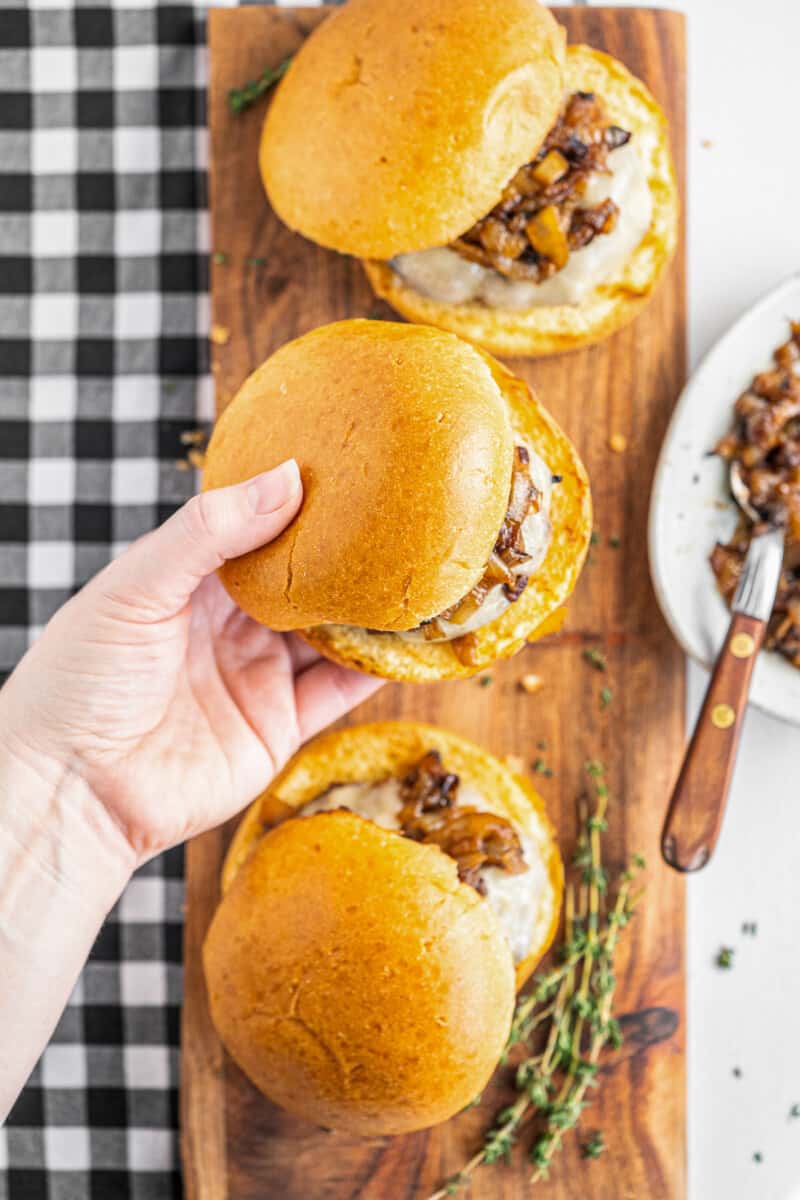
x=569, y=1012
x=241, y=98
x=485, y=681
x=220, y=258
x=758, y=1156
x=724, y=958
x=541, y=744
x=595, y=1145
x=749, y=927
x=794, y=1111
x=541, y=768
x=594, y=540
x=257, y=261
x=615, y=541
x=606, y=696
x=595, y=658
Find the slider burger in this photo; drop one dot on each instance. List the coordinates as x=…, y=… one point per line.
x=445, y=516
x=494, y=182
x=381, y=902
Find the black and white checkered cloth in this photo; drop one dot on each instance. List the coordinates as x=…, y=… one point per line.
x=103, y=316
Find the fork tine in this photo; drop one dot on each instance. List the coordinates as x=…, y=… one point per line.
x=758, y=582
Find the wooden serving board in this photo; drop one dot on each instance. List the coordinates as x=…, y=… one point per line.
x=236, y=1146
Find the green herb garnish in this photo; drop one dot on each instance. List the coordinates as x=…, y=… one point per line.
x=541, y=768
x=749, y=927
x=595, y=1145
x=794, y=1111
x=563, y=1024
x=758, y=1156
x=596, y=658
x=724, y=958
x=241, y=98
x=594, y=540
x=484, y=681
x=615, y=541
x=606, y=696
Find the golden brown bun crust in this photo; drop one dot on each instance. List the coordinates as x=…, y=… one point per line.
x=571, y=519
x=368, y=753
x=405, y=448
x=398, y=125
x=356, y=980
x=552, y=330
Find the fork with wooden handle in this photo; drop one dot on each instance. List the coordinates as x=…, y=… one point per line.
x=697, y=806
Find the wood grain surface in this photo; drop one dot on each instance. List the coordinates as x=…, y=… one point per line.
x=274, y=286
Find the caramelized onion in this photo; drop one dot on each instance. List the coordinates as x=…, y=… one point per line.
x=467, y=607
x=540, y=218
x=430, y=813
x=509, y=554
x=498, y=571
x=765, y=443
x=467, y=649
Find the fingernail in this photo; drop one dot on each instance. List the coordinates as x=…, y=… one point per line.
x=273, y=489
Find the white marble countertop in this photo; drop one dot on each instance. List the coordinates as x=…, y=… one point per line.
x=744, y=237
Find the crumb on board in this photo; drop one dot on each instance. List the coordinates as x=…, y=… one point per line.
x=515, y=762
x=193, y=437
x=618, y=443
x=706, y=143
x=220, y=335
x=194, y=459
x=531, y=683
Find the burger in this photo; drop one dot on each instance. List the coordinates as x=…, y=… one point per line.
x=381, y=903
x=495, y=182
x=445, y=518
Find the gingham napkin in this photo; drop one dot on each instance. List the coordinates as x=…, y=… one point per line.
x=103, y=314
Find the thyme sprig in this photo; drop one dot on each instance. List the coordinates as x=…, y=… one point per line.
x=241, y=98
x=566, y=1020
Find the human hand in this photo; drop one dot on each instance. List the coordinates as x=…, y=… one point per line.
x=171, y=705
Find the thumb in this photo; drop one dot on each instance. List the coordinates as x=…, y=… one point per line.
x=158, y=574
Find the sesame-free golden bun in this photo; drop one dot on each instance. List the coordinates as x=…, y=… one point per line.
x=383, y=749
x=397, y=126
x=354, y=978
x=610, y=305
x=540, y=607
x=404, y=442
x=351, y=974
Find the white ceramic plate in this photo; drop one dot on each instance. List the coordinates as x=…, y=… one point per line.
x=691, y=508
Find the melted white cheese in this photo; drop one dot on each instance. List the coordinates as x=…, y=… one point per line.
x=536, y=539
x=443, y=275
x=514, y=899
